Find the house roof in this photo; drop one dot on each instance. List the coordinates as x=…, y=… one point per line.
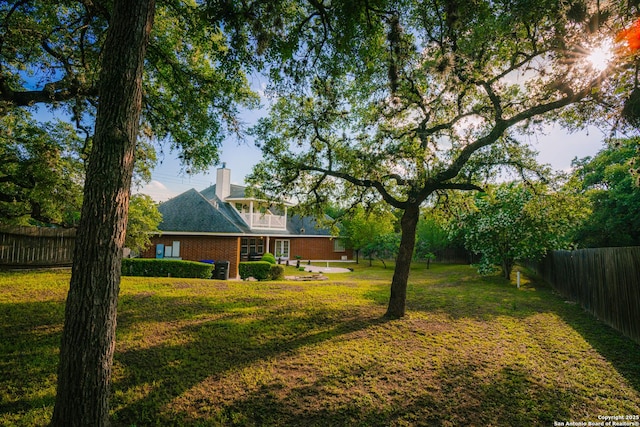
x=192, y=212
x=204, y=212
x=237, y=192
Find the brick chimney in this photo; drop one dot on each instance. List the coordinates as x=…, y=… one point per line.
x=223, y=182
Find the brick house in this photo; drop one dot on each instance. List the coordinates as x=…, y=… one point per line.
x=224, y=223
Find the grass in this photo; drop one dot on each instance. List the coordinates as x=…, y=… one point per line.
x=471, y=351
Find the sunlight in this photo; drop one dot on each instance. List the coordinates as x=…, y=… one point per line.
x=600, y=56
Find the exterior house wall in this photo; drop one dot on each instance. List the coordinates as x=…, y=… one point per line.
x=196, y=248
x=317, y=249
x=221, y=248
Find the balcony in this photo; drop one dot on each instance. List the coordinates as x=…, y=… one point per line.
x=265, y=221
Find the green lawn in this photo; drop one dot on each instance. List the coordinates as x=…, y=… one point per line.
x=472, y=351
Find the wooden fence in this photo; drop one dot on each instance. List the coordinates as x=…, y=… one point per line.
x=22, y=247
x=605, y=281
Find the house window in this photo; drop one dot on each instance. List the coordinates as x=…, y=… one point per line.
x=281, y=249
x=166, y=251
x=338, y=245
x=251, y=246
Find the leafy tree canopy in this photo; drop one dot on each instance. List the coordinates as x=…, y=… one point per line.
x=193, y=81
x=432, y=236
x=41, y=174
x=398, y=100
x=144, y=219
x=606, y=180
x=513, y=222
x=361, y=228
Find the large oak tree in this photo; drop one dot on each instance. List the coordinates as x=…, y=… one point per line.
x=88, y=338
x=119, y=79
x=402, y=100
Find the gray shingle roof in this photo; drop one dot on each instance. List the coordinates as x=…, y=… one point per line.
x=194, y=211
x=297, y=224
x=237, y=192
x=190, y=211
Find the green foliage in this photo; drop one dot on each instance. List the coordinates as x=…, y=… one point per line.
x=268, y=257
x=607, y=182
x=512, y=222
x=143, y=222
x=361, y=228
x=259, y=270
x=383, y=247
x=432, y=236
x=41, y=172
x=165, y=268
x=193, y=79
x=276, y=272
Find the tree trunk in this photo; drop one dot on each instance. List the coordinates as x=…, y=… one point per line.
x=398, y=298
x=507, y=266
x=88, y=338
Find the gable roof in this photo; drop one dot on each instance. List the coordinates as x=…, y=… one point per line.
x=237, y=192
x=204, y=212
x=192, y=212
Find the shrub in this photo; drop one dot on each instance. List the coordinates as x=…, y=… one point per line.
x=151, y=267
x=268, y=258
x=256, y=269
x=276, y=272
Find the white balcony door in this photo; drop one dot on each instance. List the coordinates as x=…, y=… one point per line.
x=281, y=249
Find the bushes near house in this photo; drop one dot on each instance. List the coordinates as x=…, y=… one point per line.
x=150, y=267
x=268, y=257
x=261, y=270
x=257, y=269
x=276, y=272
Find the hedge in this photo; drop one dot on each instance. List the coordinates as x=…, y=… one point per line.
x=268, y=257
x=276, y=272
x=257, y=269
x=152, y=267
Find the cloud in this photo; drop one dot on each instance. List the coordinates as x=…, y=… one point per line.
x=157, y=191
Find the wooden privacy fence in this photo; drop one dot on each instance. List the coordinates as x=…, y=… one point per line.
x=36, y=246
x=605, y=281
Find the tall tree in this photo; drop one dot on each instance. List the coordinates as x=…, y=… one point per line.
x=606, y=180
x=88, y=338
x=514, y=223
x=183, y=90
x=398, y=100
x=41, y=173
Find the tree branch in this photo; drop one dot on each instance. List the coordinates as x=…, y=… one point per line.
x=458, y=186
x=502, y=125
x=367, y=183
x=53, y=92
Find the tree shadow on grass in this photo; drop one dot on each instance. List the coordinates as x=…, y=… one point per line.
x=488, y=298
x=622, y=352
x=213, y=347
x=30, y=338
x=510, y=397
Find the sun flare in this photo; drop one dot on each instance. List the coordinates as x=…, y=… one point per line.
x=600, y=56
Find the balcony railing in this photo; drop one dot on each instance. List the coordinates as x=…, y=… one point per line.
x=265, y=221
